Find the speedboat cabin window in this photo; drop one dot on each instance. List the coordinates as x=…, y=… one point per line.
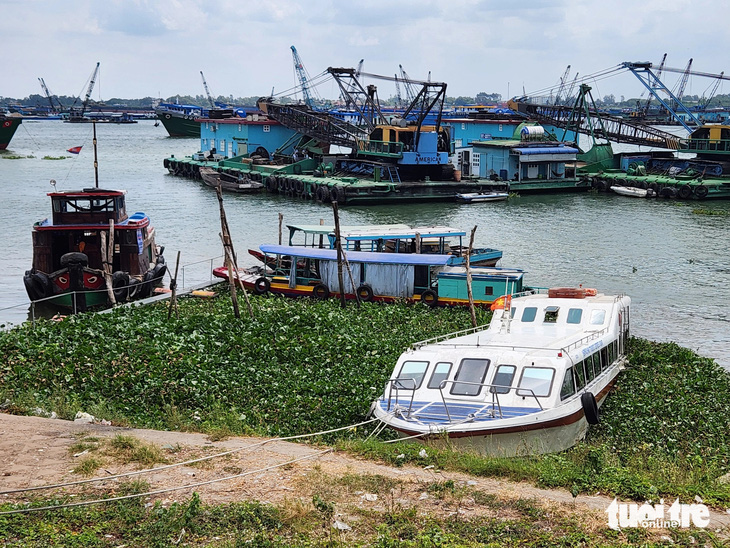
x=440, y=373
x=568, y=388
x=411, y=375
x=470, y=375
x=598, y=317
x=551, y=314
x=536, y=380
x=529, y=314
x=575, y=315
x=503, y=379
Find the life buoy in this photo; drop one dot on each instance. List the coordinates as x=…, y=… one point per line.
x=429, y=298
x=685, y=192
x=261, y=286
x=365, y=293
x=591, y=292
x=590, y=407
x=7, y=123
x=321, y=291
x=701, y=191
x=167, y=116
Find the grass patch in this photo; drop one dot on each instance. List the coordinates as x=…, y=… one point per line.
x=308, y=523
x=55, y=157
x=712, y=212
x=88, y=466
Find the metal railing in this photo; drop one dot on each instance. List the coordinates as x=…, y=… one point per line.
x=494, y=389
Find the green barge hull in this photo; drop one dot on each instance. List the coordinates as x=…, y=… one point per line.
x=664, y=186
x=298, y=180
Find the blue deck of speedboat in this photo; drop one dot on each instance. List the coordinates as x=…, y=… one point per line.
x=434, y=412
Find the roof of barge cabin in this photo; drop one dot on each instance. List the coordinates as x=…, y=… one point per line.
x=525, y=147
x=409, y=259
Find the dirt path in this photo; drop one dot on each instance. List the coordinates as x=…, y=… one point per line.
x=36, y=451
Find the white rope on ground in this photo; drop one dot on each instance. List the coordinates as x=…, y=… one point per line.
x=168, y=466
x=168, y=490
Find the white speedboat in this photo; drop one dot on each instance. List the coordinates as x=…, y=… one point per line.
x=630, y=191
x=474, y=197
x=530, y=382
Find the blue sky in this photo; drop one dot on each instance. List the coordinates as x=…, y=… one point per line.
x=158, y=48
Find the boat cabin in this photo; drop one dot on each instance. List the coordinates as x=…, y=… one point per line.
x=88, y=207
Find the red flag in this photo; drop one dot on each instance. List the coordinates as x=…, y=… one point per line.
x=74, y=150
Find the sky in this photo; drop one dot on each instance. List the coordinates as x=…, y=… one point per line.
x=158, y=48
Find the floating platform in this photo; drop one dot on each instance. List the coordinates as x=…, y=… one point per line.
x=683, y=187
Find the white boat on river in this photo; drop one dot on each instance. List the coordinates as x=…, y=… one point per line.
x=530, y=382
x=630, y=191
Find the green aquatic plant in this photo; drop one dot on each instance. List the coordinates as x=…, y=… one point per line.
x=55, y=157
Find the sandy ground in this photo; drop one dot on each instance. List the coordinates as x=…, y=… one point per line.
x=36, y=452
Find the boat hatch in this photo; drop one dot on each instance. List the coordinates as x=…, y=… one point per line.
x=551, y=314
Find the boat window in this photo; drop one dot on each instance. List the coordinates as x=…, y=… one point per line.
x=568, y=388
x=598, y=317
x=471, y=371
x=440, y=374
x=580, y=376
x=593, y=366
x=604, y=358
x=537, y=380
x=488, y=290
x=529, y=314
x=575, y=315
x=551, y=314
x=503, y=379
x=411, y=375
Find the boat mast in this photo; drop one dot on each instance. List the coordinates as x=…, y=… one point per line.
x=96, y=163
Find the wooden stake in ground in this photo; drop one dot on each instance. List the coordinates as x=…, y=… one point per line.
x=107, y=256
x=468, y=278
x=335, y=211
x=173, y=290
x=230, y=259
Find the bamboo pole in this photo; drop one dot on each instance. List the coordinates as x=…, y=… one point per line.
x=340, y=279
x=173, y=290
x=107, y=254
x=230, y=258
x=468, y=278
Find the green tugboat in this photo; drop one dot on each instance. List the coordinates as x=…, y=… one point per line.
x=8, y=126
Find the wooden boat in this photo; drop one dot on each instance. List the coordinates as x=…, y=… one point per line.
x=630, y=191
x=530, y=382
x=474, y=197
x=412, y=277
x=68, y=267
x=229, y=183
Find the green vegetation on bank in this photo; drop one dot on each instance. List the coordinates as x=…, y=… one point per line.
x=306, y=366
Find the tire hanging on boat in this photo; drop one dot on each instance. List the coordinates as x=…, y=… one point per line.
x=120, y=283
x=685, y=192
x=701, y=191
x=429, y=298
x=590, y=407
x=320, y=291
x=365, y=293
x=261, y=286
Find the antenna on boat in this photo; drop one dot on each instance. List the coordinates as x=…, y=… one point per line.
x=96, y=163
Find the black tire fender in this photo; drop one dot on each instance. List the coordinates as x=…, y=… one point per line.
x=590, y=407
x=701, y=191
x=685, y=192
x=120, y=285
x=74, y=257
x=429, y=298
x=365, y=293
x=261, y=286
x=321, y=291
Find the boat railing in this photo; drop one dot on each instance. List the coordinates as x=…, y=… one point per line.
x=494, y=389
x=397, y=385
x=580, y=342
x=440, y=338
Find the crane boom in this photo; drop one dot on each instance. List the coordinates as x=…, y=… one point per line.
x=658, y=75
x=410, y=92
x=713, y=91
x=207, y=91
x=683, y=82
x=49, y=95
x=303, y=79
x=563, y=82
x=89, y=89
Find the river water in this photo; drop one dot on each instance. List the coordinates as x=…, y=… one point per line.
x=672, y=262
